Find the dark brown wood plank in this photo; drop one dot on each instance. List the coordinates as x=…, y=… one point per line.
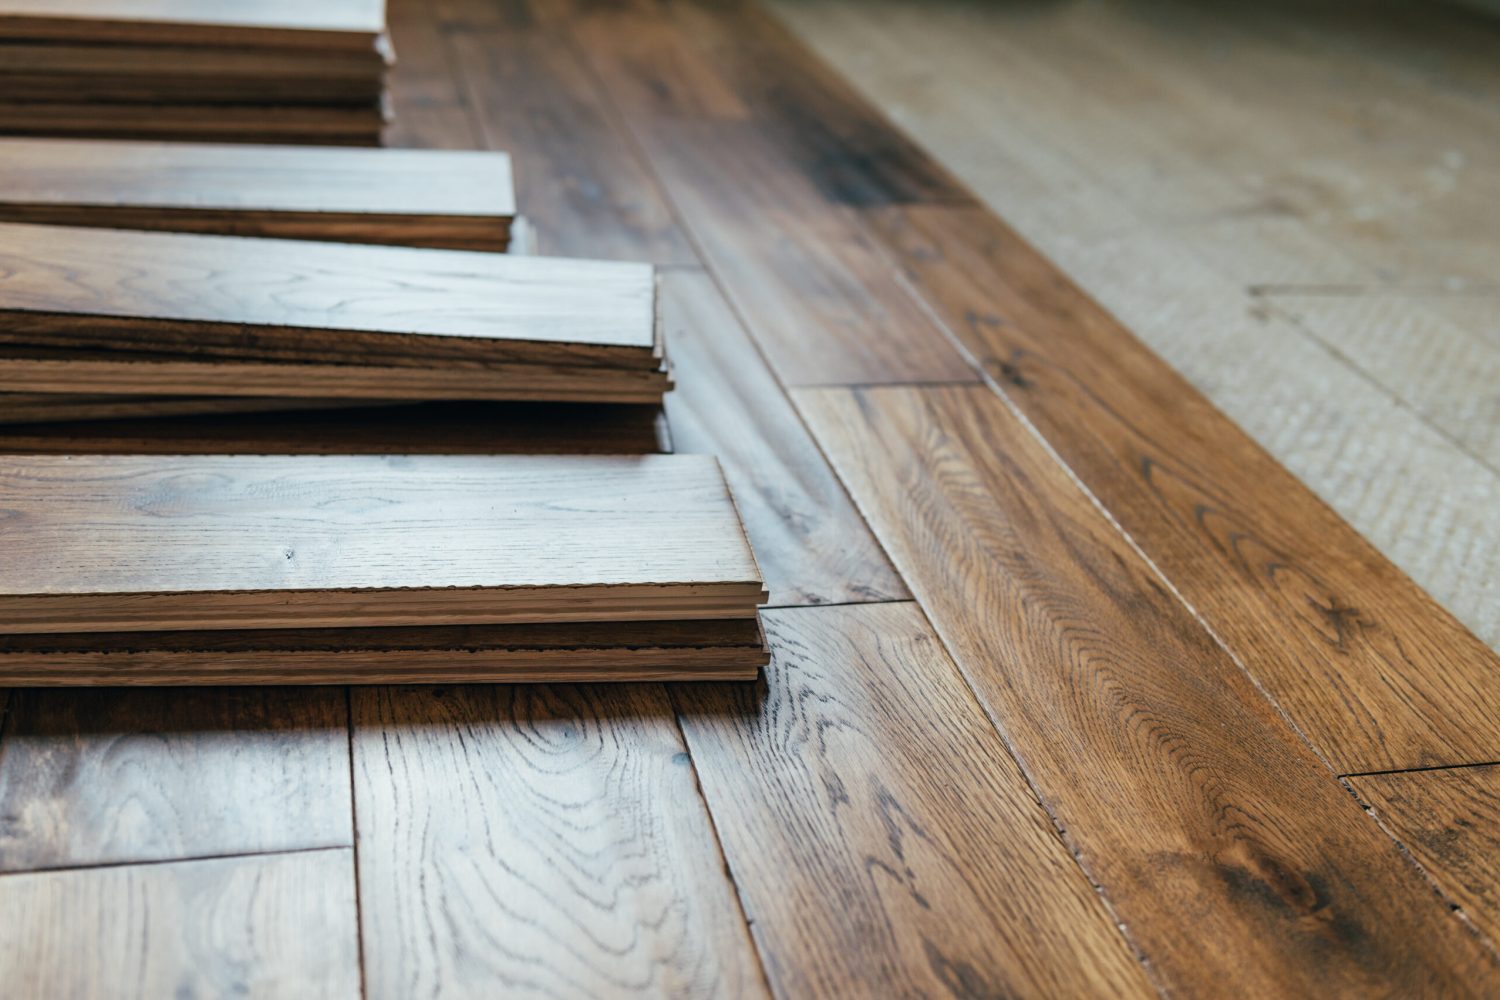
x=110, y=776
x=423, y=428
x=1183, y=792
x=601, y=651
x=818, y=295
x=542, y=841
x=429, y=107
x=812, y=545
x=883, y=841
x=1370, y=668
x=277, y=926
x=577, y=179
x=1450, y=822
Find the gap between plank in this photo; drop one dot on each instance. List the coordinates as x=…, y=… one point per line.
x=1422, y=770
x=189, y=859
x=359, y=911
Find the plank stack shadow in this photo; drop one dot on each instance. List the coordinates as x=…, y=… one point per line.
x=267, y=71
x=373, y=569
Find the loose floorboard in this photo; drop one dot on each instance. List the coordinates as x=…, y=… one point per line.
x=110, y=777
x=1070, y=639
x=307, y=301
x=271, y=542
x=1449, y=819
x=255, y=927
x=609, y=651
x=452, y=199
x=539, y=841
x=882, y=839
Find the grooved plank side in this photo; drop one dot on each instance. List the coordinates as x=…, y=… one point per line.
x=539, y=841
x=109, y=776
x=812, y=544
x=1186, y=796
x=1450, y=821
x=1370, y=668
x=279, y=927
x=576, y=177
x=884, y=842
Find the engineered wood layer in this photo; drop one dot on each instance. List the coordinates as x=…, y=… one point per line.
x=278, y=541
x=318, y=301
x=325, y=25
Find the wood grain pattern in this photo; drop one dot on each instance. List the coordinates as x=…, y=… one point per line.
x=610, y=651
x=110, y=777
x=884, y=842
x=285, y=541
x=426, y=198
x=204, y=122
x=539, y=841
x=1185, y=801
x=51, y=407
x=430, y=108
x=327, y=25
x=816, y=292
x=813, y=546
x=319, y=301
x=1450, y=821
x=261, y=927
x=417, y=428
x=1366, y=664
x=576, y=175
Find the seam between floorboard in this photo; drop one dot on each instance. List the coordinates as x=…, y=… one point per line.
x=1422, y=770
x=187, y=859
x=359, y=911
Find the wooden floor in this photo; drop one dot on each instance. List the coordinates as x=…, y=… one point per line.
x=1075, y=689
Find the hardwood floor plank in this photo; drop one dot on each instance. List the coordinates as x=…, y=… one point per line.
x=577, y=178
x=250, y=541
x=539, y=841
x=330, y=25
x=816, y=292
x=430, y=108
x=882, y=839
x=279, y=926
x=111, y=776
x=1365, y=664
x=813, y=546
x=1450, y=822
x=1183, y=792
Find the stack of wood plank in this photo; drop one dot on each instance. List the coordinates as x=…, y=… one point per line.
x=261, y=71
x=88, y=312
x=309, y=569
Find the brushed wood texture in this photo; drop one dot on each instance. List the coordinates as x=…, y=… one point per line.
x=1365, y=663
x=609, y=651
x=1449, y=819
x=813, y=546
x=173, y=291
x=576, y=175
x=281, y=541
x=110, y=777
x=539, y=842
x=266, y=191
x=414, y=428
x=327, y=24
x=1184, y=793
x=882, y=839
x=280, y=927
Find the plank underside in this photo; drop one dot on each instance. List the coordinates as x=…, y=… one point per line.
x=272, y=541
x=730, y=649
x=319, y=301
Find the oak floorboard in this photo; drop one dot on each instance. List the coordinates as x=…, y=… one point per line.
x=811, y=543
x=539, y=842
x=430, y=109
x=1366, y=664
x=280, y=927
x=1182, y=790
x=577, y=179
x=882, y=839
x=113, y=776
x=1449, y=819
